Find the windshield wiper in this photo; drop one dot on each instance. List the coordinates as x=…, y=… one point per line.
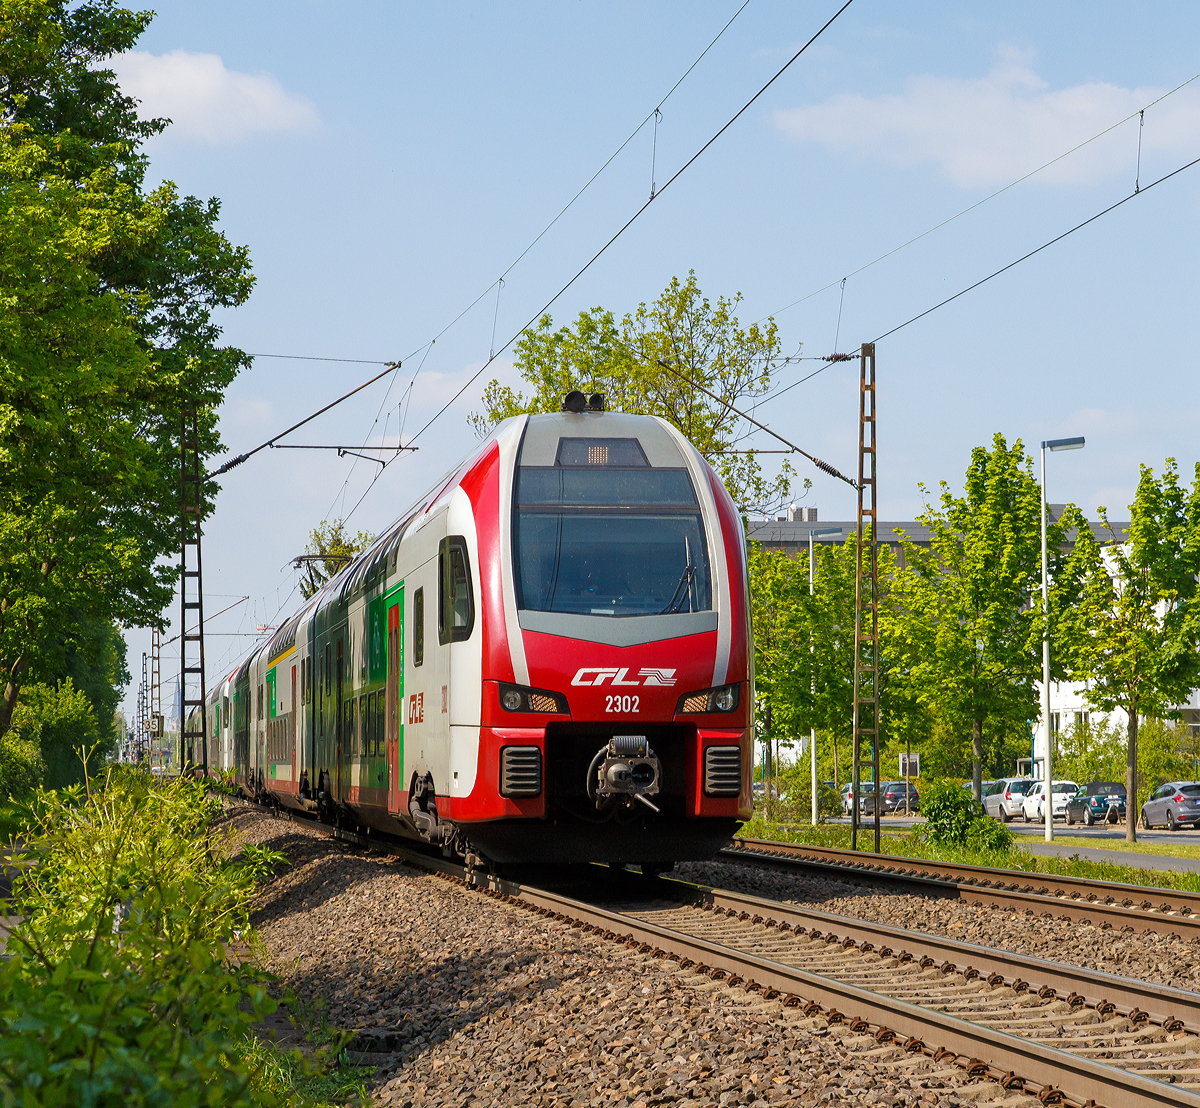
x=682, y=591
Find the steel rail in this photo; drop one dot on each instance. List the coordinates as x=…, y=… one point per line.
x=1164, y=911
x=1165, y=1005
x=1009, y=1059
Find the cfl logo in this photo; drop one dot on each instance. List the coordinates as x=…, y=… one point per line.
x=597, y=675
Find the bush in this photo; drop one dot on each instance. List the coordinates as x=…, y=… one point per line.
x=795, y=783
x=21, y=767
x=953, y=819
x=128, y=981
x=60, y=722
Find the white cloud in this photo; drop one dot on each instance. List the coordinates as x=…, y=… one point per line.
x=989, y=130
x=205, y=100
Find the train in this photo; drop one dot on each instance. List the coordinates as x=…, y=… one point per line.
x=548, y=659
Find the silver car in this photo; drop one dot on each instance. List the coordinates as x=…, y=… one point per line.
x=1171, y=805
x=1006, y=798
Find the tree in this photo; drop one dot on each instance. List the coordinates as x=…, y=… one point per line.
x=1135, y=631
x=647, y=364
x=804, y=645
x=106, y=335
x=967, y=622
x=329, y=549
x=60, y=721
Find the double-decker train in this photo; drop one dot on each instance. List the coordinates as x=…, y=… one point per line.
x=548, y=659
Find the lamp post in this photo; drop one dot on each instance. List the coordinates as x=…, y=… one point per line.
x=812, y=734
x=1047, y=774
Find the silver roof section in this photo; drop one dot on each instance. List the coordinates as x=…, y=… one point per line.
x=543, y=432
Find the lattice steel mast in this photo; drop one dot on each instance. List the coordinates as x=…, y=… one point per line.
x=866, y=597
x=191, y=596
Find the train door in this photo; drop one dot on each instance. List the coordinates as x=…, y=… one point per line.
x=295, y=733
x=395, y=698
x=341, y=737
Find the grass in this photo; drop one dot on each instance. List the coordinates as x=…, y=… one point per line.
x=316, y=1080
x=909, y=845
x=1165, y=850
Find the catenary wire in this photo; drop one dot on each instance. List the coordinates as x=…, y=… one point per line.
x=595, y=257
x=392, y=367
x=545, y=230
x=821, y=465
x=978, y=203
x=591, y=180
x=1025, y=257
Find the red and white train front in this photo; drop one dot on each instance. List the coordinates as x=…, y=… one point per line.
x=599, y=686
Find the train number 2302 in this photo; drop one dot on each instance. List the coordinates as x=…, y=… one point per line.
x=621, y=703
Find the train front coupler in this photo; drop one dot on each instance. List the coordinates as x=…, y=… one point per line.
x=624, y=770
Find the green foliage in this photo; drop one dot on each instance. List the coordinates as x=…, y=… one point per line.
x=127, y=981
x=330, y=543
x=1135, y=631
x=61, y=723
x=107, y=294
x=93, y=658
x=702, y=342
x=953, y=818
x=967, y=622
x=793, y=783
x=913, y=844
x=21, y=767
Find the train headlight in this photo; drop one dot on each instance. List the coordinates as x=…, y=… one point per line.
x=724, y=698
x=517, y=698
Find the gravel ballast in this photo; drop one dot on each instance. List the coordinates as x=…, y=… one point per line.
x=462, y=999
x=1146, y=956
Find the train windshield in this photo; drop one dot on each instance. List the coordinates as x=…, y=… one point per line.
x=610, y=540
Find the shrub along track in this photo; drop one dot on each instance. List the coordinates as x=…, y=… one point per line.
x=1067, y=1035
x=1104, y=903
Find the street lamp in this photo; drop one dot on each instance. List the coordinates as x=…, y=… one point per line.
x=812, y=734
x=1047, y=776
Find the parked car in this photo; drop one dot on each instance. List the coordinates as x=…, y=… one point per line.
x=1006, y=798
x=866, y=788
x=1172, y=805
x=984, y=787
x=1034, y=805
x=1097, y=802
x=892, y=799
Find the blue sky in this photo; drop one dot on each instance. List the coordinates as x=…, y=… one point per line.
x=386, y=162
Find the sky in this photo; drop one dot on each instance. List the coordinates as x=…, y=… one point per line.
x=386, y=163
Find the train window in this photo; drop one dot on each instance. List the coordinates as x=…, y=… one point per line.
x=600, y=452
x=627, y=487
x=418, y=627
x=622, y=557
x=328, y=668
x=456, y=611
x=380, y=720
x=369, y=726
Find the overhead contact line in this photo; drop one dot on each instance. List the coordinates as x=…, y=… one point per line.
x=633, y=218
x=1138, y=191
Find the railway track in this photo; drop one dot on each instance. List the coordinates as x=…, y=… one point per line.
x=1105, y=903
x=1062, y=1033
